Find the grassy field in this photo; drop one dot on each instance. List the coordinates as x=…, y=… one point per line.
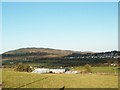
x=0, y=74
x=100, y=69
x=12, y=79
x=0, y=77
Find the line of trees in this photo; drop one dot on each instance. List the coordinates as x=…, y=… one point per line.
x=23, y=68
x=24, y=54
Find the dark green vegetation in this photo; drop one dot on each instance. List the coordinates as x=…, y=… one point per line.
x=53, y=58
x=23, y=68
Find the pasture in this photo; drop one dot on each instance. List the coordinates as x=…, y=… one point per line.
x=98, y=69
x=0, y=77
x=13, y=79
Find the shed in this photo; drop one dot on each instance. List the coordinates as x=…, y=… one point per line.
x=41, y=70
x=57, y=70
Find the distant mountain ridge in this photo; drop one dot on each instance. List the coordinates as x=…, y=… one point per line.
x=56, y=57
x=35, y=53
x=45, y=53
x=32, y=50
x=48, y=50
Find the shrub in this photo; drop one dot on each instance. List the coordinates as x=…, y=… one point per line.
x=67, y=69
x=88, y=68
x=23, y=68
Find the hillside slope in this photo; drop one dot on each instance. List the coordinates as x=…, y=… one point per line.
x=35, y=53
x=55, y=57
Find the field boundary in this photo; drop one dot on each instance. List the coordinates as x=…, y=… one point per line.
x=30, y=83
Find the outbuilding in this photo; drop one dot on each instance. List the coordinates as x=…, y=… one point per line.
x=46, y=70
x=57, y=70
x=41, y=70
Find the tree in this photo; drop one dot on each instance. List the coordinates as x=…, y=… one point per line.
x=67, y=69
x=19, y=67
x=28, y=68
x=88, y=68
x=23, y=68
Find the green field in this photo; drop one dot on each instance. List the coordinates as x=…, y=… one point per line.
x=0, y=77
x=13, y=79
x=99, y=69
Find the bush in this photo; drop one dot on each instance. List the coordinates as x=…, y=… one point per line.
x=67, y=69
x=23, y=68
x=88, y=68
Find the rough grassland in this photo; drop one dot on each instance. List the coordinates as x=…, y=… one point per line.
x=104, y=69
x=0, y=75
x=0, y=78
x=12, y=79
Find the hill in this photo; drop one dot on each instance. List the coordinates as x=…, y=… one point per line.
x=35, y=53
x=56, y=57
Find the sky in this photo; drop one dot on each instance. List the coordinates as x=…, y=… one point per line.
x=60, y=0
x=79, y=26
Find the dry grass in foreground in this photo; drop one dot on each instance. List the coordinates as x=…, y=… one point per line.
x=12, y=79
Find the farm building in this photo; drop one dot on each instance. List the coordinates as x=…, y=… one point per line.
x=46, y=70
x=57, y=70
x=72, y=72
x=41, y=70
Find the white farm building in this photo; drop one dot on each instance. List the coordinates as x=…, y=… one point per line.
x=57, y=70
x=41, y=70
x=46, y=70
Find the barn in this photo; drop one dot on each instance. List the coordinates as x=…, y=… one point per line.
x=57, y=70
x=46, y=70
x=41, y=70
